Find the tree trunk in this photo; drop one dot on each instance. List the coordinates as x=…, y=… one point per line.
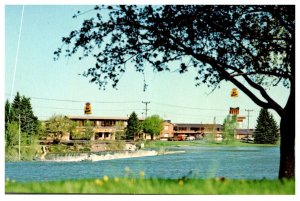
x=152, y=136
x=287, y=140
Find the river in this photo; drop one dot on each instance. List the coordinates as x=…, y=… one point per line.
x=198, y=162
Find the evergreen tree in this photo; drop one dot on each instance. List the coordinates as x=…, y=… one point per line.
x=8, y=113
x=16, y=106
x=133, y=127
x=266, y=131
x=21, y=111
x=29, y=122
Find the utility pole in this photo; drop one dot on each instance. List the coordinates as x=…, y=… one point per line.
x=248, y=116
x=248, y=122
x=146, y=103
x=19, y=137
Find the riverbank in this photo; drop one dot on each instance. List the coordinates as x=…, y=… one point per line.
x=106, y=185
x=89, y=148
x=158, y=144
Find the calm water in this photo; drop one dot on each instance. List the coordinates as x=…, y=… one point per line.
x=199, y=162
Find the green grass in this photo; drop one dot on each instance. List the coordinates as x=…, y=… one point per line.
x=158, y=143
x=107, y=185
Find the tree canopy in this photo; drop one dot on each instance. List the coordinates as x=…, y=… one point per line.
x=58, y=126
x=252, y=46
x=153, y=125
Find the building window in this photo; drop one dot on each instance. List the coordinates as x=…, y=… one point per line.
x=108, y=123
x=80, y=122
x=194, y=129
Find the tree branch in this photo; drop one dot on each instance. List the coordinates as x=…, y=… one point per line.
x=220, y=68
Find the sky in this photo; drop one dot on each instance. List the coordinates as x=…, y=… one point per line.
x=55, y=87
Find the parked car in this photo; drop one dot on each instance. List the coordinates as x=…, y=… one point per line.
x=247, y=139
x=190, y=138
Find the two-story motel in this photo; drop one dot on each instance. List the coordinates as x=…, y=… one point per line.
x=105, y=127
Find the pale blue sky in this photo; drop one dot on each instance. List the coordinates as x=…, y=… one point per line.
x=38, y=76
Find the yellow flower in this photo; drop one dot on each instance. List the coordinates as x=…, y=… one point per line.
x=117, y=179
x=99, y=182
x=180, y=182
x=105, y=178
x=142, y=174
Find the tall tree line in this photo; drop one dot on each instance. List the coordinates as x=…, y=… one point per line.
x=20, y=113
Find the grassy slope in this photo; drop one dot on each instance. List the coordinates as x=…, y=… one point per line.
x=155, y=144
x=156, y=186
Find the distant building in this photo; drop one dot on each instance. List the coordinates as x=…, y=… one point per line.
x=244, y=133
x=198, y=131
x=168, y=131
x=104, y=127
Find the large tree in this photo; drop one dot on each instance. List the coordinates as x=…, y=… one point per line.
x=153, y=125
x=133, y=128
x=266, y=130
x=57, y=126
x=251, y=46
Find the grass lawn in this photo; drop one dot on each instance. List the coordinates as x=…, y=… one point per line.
x=107, y=185
x=158, y=143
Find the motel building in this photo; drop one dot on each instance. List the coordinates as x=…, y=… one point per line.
x=105, y=127
x=185, y=131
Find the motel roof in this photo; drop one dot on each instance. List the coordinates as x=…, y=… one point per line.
x=196, y=125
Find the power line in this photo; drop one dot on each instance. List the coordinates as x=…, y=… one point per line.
x=193, y=108
x=78, y=101
x=122, y=102
x=63, y=108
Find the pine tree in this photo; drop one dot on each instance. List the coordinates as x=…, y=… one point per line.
x=16, y=106
x=266, y=131
x=21, y=111
x=133, y=127
x=8, y=113
x=29, y=122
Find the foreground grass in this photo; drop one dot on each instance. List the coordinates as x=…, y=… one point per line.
x=107, y=185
